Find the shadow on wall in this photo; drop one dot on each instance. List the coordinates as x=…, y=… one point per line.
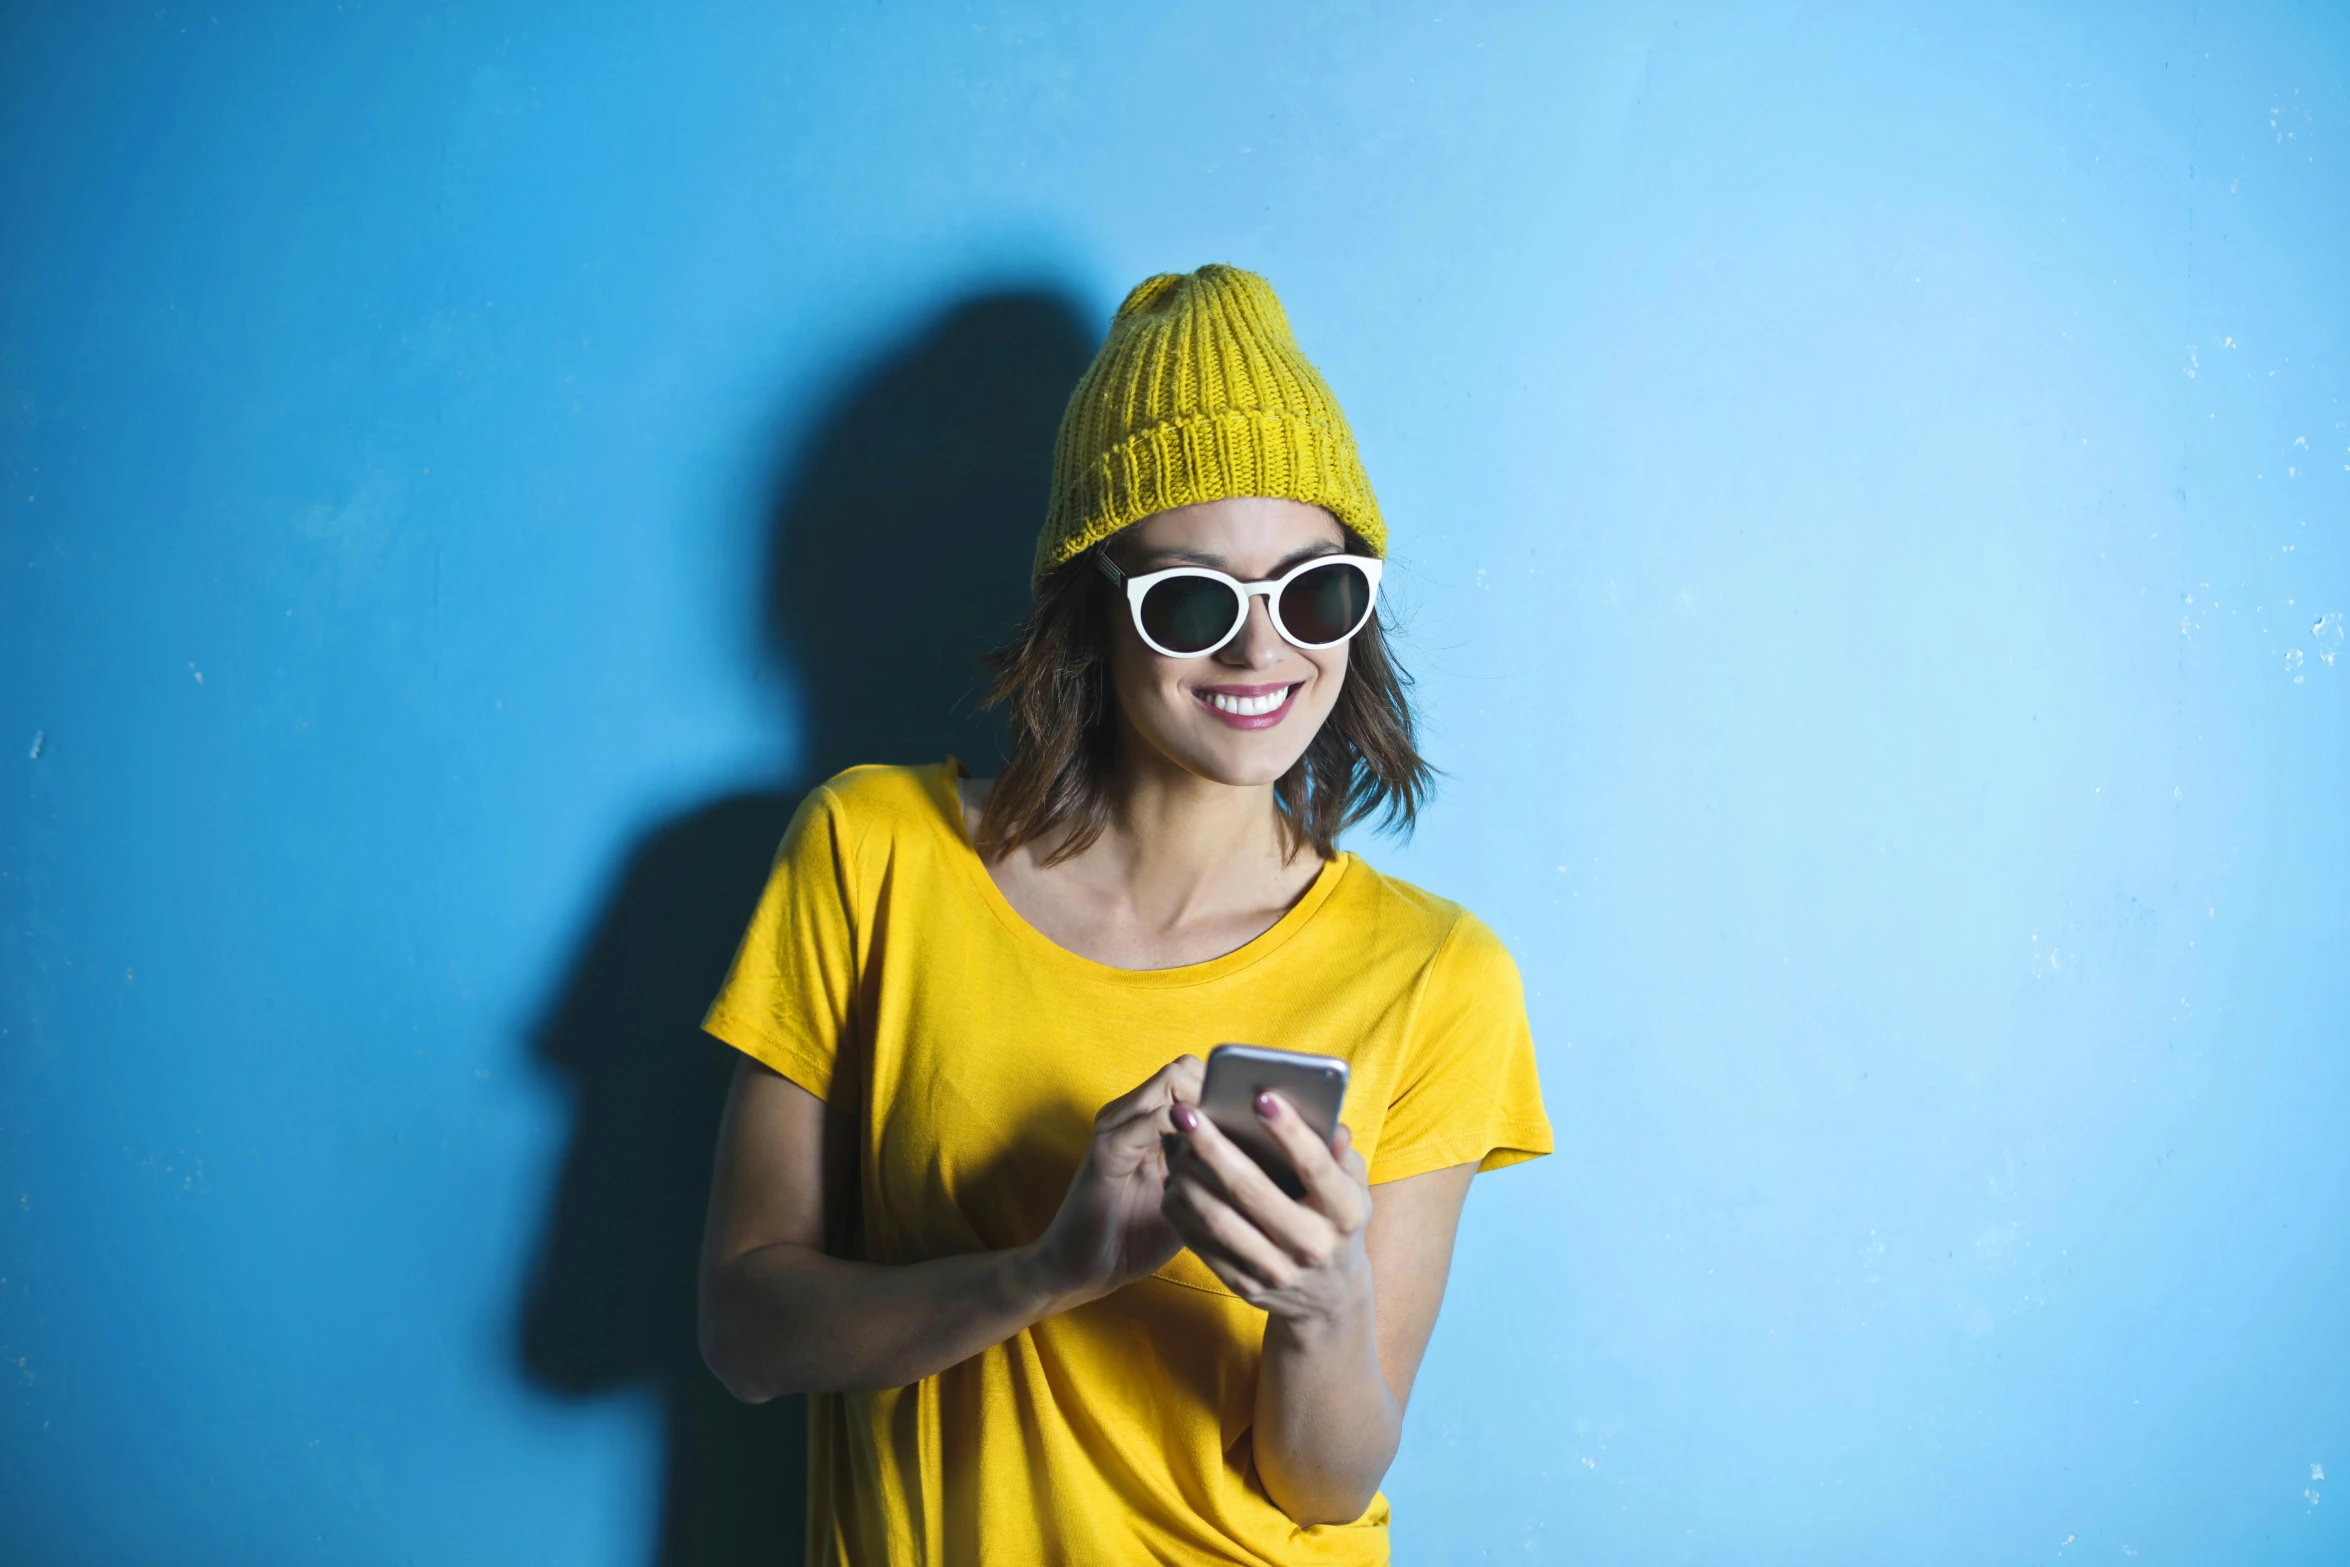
x=898, y=548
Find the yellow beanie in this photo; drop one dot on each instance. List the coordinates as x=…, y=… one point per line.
x=1200, y=394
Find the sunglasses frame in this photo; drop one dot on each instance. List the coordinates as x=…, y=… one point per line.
x=1269, y=590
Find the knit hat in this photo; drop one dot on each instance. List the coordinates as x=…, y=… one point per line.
x=1200, y=394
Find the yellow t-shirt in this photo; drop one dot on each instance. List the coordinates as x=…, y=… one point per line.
x=885, y=973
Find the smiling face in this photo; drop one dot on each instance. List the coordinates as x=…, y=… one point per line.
x=1245, y=713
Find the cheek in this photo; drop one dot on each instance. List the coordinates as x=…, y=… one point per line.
x=1330, y=665
x=1130, y=662
x=1144, y=682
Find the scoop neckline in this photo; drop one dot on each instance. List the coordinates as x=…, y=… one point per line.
x=947, y=794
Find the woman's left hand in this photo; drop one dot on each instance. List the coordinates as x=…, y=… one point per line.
x=1298, y=1259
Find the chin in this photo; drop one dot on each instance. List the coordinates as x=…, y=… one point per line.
x=1242, y=765
x=1251, y=773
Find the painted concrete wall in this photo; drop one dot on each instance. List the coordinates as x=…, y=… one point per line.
x=1872, y=492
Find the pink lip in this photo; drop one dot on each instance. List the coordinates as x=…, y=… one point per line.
x=1248, y=720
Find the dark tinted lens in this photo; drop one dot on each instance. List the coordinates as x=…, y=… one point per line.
x=1189, y=614
x=1326, y=603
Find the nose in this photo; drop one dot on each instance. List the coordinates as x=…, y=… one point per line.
x=1258, y=646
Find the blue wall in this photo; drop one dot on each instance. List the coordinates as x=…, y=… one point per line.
x=1872, y=492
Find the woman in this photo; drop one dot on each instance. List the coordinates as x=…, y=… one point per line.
x=1046, y=1310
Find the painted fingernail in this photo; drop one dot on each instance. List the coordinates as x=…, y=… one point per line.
x=1268, y=1106
x=1187, y=1118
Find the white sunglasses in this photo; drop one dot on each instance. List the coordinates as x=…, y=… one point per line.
x=1191, y=611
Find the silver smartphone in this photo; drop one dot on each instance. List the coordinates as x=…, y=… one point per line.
x=1315, y=1087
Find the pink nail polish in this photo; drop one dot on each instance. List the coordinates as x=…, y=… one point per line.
x=1268, y=1106
x=1187, y=1118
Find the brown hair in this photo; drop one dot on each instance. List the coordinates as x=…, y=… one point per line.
x=1053, y=682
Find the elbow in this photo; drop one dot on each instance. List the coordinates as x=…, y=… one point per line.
x=744, y=1389
x=1332, y=1511
x=734, y=1358
x=739, y=1379
x=747, y=1381
x=1324, y=1499
x=1315, y=1489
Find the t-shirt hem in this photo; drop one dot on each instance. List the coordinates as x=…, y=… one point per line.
x=793, y=1060
x=1512, y=1143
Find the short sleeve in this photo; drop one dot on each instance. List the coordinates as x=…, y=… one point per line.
x=1467, y=1092
x=787, y=1001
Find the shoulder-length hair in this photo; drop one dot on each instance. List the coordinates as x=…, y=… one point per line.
x=1053, y=682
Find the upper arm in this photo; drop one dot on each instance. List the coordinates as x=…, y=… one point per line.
x=768, y=1182
x=1409, y=1242
x=787, y=1006
x=1466, y=1089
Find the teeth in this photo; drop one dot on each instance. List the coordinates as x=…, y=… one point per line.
x=1247, y=706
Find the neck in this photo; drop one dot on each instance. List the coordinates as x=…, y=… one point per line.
x=1182, y=843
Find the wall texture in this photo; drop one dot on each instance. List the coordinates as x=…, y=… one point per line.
x=1872, y=491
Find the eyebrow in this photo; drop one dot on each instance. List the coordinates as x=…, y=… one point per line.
x=1159, y=559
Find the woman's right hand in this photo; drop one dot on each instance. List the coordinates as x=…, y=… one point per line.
x=1109, y=1229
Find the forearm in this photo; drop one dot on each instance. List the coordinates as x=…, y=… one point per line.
x=1327, y=1425
x=788, y=1319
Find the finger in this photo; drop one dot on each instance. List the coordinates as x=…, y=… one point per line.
x=1236, y=1275
x=1130, y=1132
x=1183, y=1157
x=1178, y=1082
x=1137, y=1138
x=1140, y=1115
x=1233, y=1272
x=1199, y=1215
x=1186, y=1076
x=1351, y=1160
x=1301, y=1231
x=1326, y=1183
